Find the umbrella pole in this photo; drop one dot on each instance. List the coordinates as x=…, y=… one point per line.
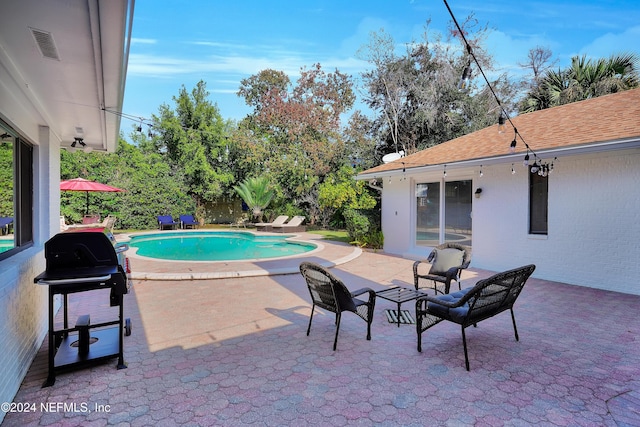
x=87, y=210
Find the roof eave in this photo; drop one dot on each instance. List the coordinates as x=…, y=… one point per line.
x=593, y=147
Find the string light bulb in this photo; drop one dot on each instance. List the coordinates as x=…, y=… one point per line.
x=501, y=123
x=512, y=147
x=466, y=77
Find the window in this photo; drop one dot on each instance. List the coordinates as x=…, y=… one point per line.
x=454, y=207
x=428, y=214
x=16, y=190
x=538, y=203
x=457, y=212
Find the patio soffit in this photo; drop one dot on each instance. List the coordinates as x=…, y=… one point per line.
x=68, y=60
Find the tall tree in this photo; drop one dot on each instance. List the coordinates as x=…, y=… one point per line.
x=583, y=79
x=193, y=136
x=416, y=94
x=294, y=132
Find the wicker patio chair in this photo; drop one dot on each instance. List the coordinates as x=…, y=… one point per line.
x=446, y=264
x=329, y=293
x=470, y=306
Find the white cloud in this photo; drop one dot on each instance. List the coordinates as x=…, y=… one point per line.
x=135, y=40
x=614, y=43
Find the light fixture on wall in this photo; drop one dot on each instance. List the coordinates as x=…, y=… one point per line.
x=77, y=140
x=478, y=192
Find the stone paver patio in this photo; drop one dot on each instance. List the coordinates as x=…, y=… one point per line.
x=234, y=351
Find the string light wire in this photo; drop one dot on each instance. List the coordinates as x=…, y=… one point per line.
x=503, y=112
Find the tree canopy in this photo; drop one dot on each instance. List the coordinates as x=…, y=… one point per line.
x=303, y=142
x=585, y=78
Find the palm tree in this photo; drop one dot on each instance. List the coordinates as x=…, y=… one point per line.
x=584, y=79
x=256, y=193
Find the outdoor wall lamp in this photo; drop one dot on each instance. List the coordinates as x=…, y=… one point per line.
x=77, y=140
x=478, y=192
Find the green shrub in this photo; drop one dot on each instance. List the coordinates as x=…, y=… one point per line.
x=357, y=224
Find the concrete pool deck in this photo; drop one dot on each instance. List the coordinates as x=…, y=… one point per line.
x=234, y=352
x=328, y=254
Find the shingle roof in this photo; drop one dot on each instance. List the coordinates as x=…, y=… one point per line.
x=597, y=120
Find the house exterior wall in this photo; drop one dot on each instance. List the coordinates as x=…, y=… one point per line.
x=593, y=217
x=594, y=208
x=396, y=215
x=23, y=304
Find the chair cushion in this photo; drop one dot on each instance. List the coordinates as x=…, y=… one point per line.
x=446, y=259
x=454, y=314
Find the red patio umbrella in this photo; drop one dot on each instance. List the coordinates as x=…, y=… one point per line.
x=81, y=184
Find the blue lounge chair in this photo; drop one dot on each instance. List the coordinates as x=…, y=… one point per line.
x=166, y=222
x=6, y=224
x=188, y=221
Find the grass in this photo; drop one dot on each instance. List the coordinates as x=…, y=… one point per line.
x=338, y=235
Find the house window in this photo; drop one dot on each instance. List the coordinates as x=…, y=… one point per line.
x=16, y=193
x=428, y=214
x=538, y=203
x=443, y=217
x=457, y=212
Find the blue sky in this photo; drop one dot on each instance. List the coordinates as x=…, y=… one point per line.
x=180, y=42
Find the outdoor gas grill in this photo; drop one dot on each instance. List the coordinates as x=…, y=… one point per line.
x=80, y=261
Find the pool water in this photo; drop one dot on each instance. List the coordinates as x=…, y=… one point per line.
x=5, y=245
x=215, y=246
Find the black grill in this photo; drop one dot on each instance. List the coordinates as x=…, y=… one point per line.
x=81, y=261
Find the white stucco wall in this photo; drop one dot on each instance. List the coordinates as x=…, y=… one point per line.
x=23, y=304
x=594, y=221
x=594, y=208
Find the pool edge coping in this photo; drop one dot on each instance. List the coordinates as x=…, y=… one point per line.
x=355, y=253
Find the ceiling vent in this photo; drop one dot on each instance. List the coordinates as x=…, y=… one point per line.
x=45, y=43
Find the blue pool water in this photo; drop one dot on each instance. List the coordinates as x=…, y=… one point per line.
x=5, y=245
x=215, y=246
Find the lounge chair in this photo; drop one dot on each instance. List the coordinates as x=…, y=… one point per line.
x=6, y=224
x=166, y=222
x=294, y=225
x=188, y=221
x=91, y=219
x=107, y=223
x=63, y=224
x=267, y=226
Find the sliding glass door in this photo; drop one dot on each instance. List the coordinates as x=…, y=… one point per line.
x=443, y=216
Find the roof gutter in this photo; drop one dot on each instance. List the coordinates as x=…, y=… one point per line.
x=598, y=147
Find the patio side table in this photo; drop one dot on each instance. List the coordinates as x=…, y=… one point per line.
x=399, y=295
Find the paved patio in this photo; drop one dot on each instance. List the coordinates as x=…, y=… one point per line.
x=233, y=351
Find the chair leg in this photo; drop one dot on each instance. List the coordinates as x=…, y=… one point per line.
x=515, y=329
x=335, y=341
x=310, y=319
x=464, y=343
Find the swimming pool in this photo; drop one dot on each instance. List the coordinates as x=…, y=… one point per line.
x=215, y=246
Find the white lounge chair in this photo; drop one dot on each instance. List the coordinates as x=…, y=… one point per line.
x=267, y=226
x=294, y=225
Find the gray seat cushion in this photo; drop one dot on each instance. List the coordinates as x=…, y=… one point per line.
x=457, y=314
